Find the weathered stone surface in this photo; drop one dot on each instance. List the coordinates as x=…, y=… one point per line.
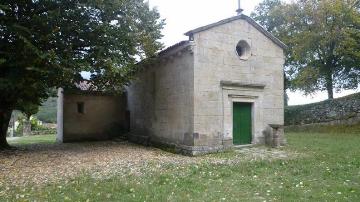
x=160, y=100
x=345, y=110
x=187, y=101
x=103, y=117
x=262, y=73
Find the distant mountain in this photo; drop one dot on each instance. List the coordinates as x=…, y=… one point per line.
x=47, y=112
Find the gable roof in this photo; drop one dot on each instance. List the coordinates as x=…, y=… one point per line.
x=171, y=50
x=176, y=47
x=243, y=17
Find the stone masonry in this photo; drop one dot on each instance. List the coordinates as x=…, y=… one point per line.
x=184, y=99
x=88, y=116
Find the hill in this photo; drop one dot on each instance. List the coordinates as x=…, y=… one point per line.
x=47, y=111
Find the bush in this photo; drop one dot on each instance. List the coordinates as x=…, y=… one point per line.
x=36, y=125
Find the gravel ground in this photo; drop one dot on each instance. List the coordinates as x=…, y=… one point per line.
x=41, y=164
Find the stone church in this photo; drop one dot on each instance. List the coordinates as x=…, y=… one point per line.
x=221, y=88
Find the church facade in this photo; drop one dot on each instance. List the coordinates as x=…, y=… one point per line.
x=223, y=87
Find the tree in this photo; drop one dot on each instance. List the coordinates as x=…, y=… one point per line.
x=28, y=109
x=270, y=15
x=47, y=44
x=323, y=39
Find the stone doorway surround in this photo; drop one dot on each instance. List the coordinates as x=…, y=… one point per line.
x=233, y=92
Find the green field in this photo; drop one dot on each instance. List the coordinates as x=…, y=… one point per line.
x=38, y=139
x=327, y=169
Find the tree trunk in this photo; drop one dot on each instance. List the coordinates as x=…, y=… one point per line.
x=5, y=116
x=27, y=127
x=330, y=92
x=329, y=85
x=13, y=124
x=286, y=99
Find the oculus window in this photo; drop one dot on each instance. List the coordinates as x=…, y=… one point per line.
x=243, y=50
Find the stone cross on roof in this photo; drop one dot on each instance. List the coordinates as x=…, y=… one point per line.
x=239, y=10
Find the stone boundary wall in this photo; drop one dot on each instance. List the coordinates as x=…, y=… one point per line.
x=344, y=110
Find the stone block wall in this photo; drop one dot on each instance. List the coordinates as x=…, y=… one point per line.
x=345, y=110
x=185, y=99
x=259, y=80
x=160, y=101
x=87, y=116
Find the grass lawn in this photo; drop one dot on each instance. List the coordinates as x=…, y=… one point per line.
x=38, y=139
x=327, y=169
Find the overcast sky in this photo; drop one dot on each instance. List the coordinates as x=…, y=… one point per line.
x=184, y=15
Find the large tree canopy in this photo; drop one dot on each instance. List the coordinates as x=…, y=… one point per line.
x=47, y=43
x=323, y=39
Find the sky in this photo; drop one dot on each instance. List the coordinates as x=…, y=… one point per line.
x=184, y=15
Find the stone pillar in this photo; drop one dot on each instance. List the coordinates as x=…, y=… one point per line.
x=276, y=135
x=60, y=116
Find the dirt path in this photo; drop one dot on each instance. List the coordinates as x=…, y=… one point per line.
x=41, y=164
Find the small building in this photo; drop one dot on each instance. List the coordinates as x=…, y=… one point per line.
x=90, y=116
x=221, y=88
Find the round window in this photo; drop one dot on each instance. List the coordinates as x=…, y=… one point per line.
x=243, y=50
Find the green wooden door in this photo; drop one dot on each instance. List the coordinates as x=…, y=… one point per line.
x=242, y=126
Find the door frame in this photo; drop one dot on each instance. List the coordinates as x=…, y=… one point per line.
x=252, y=103
x=242, y=93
